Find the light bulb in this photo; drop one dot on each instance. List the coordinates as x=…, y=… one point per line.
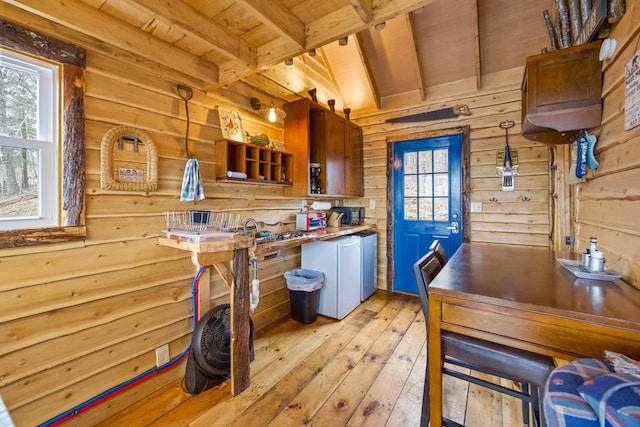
x=272, y=114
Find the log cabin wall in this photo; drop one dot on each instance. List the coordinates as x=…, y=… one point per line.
x=520, y=217
x=80, y=318
x=606, y=205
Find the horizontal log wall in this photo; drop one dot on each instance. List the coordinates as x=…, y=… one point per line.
x=607, y=205
x=80, y=318
x=520, y=217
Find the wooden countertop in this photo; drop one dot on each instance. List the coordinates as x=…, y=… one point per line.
x=263, y=249
x=236, y=241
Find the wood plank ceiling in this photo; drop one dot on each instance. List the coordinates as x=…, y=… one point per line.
x=426, y=48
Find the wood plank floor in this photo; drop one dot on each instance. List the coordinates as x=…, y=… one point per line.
x=367, y=369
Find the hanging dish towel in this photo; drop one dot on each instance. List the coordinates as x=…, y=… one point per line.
x=191, y=182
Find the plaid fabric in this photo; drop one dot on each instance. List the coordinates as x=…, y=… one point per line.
x=588, y=393
x=562, y=404
x=191, y=182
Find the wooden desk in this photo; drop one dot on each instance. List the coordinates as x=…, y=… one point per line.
x=219, y=252
x=522, y=297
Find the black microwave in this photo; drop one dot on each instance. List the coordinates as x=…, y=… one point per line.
x=350, y=216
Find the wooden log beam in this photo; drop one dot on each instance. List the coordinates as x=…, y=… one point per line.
x=90, y=21
x=364, y=9
x=177, y=13
x=278, y=18
x=240, y=325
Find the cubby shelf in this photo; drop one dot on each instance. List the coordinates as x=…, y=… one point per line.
x=260, y=164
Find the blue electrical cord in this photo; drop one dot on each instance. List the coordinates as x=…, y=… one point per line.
x=83, y=407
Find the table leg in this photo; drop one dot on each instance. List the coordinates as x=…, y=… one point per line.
x=434, y=349
x=240, y=327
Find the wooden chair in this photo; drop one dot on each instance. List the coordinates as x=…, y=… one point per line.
x=529, y=369
x=437, y=247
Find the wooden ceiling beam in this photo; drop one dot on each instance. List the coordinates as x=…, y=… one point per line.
x=418, y=64
x=364, y=8
x=90, y=21
x=476, y=42
x=371, y=84
x=278, y=18
x=177, y=13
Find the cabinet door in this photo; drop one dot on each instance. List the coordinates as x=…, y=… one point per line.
x=335, y=154
x=353, y=160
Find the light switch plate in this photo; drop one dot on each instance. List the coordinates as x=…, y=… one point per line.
x=476, y=207
x=372, y=204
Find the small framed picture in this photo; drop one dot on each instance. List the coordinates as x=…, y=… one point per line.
x=231, y=124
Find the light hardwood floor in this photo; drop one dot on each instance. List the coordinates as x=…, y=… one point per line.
x=367, y=369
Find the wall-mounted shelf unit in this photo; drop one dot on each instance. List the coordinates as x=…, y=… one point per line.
x=260, y=164
x=561, y=94
x=319, y=135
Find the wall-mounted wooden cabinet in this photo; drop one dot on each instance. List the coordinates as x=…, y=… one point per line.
x=260, y=165
x=561, y=94
x=315, y=134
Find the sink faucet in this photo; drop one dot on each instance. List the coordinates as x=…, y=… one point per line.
x=255, y=224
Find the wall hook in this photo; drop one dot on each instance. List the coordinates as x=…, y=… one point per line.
x=493, y=200
x=525, y=199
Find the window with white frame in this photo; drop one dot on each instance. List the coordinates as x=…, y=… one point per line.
x=29, y=142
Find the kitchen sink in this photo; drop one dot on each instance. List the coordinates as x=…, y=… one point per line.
x=280, y=237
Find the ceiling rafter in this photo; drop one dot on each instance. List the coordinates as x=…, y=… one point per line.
x=419, y=66
x=476, y=33
x=342, y=22
x=364, y=8
x=79, y=16
x=180, y=14
x=278, y=18
x=373, y=88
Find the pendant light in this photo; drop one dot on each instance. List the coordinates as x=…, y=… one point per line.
x=271, y=113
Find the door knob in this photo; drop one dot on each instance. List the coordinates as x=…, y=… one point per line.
x=453, y=227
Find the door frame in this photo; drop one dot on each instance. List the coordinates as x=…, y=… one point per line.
x=464, y=132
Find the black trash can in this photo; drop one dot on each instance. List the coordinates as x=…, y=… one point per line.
x=304, y=285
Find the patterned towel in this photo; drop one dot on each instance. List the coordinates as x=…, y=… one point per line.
x=191, y=182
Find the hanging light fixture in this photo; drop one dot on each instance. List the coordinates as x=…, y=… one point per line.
x=271, y=113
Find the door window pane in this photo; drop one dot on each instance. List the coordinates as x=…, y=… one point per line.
x=441, y=209
x=440, y=161
x=410, y=163
x=441, y=185
x=410, y=186
x=410, y=208
x=426, y=185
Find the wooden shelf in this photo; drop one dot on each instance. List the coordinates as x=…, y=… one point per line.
x=261, y=165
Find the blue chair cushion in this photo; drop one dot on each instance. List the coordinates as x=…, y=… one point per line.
x=614, y=398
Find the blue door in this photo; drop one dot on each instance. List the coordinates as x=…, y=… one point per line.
x=427, y=195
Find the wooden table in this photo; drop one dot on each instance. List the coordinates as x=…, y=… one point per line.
x=522, y=297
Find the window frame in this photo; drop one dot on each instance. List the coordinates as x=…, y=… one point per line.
x=46, y=141
x=72, y=60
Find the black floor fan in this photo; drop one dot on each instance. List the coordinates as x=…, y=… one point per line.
x=209, y=360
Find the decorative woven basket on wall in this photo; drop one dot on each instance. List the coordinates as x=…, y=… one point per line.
x=126, y=148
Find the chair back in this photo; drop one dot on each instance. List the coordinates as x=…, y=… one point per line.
x=437, y=247
x=425, y=270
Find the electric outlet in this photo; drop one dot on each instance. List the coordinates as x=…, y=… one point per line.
x=372, y=204
x=476, y=207
x=305, y=206
x=162, y=355
x=337, y=202
x=568, y=241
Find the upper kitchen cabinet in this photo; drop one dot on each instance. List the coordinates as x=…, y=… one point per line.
x=314, y=134
x=561, y=94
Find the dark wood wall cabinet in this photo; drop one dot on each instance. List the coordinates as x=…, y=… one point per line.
x=242, y=162
x=561, y=94
x=315, y=134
